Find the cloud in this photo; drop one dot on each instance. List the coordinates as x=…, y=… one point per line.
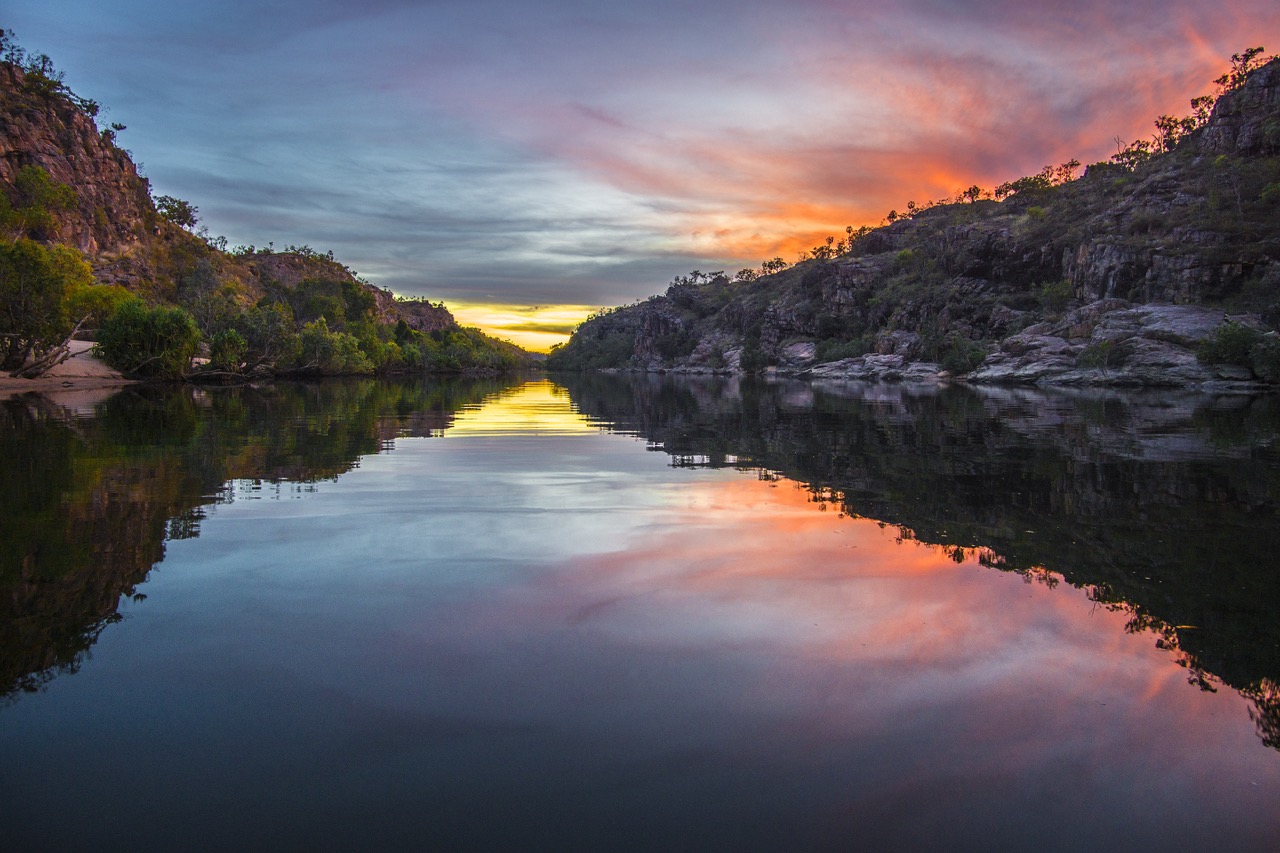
x=578, y=153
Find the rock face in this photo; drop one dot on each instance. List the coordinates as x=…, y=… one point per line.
x=1244, y=122
x=113, y=208
x=114, y=222
x=1115, y=278
x=1114, y=343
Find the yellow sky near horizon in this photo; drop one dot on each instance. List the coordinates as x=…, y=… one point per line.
x=534, y=327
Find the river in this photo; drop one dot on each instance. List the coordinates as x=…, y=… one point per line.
x=597, y=612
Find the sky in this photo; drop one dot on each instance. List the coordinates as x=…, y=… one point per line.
x=529, y=162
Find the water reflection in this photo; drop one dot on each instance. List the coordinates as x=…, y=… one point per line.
x=867, y=636
x=1162, y=506
x=90, y=497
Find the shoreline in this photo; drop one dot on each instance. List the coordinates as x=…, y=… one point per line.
x=81, y=372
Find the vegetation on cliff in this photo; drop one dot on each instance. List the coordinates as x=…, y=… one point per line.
x=84, y=245
x=994, y=283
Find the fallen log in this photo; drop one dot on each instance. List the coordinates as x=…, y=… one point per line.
x=49, y=359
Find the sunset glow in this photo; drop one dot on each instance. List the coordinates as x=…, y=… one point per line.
x=534, y=408
x=535, y=327
x=521, y=163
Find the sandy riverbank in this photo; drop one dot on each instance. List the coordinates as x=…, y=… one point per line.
x=82, y=373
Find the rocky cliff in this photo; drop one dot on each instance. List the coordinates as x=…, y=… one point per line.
x=113, y=210
x=1118, y=277
x=113, y=220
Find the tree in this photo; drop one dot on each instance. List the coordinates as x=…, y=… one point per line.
x=31, y=207
x=36, y=286
x=149, y=341
x=1241, y=64
x=227, y=350
x=177, y=211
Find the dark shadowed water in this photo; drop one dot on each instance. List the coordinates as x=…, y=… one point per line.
x=601, y=613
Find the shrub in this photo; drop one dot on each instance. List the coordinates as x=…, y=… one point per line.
x=1102, y=355
x=835, y=350
x=36, y=286
x=32, y=206
x=1266, y=358
x=676, y=344
x=961, y=355
x=94, y=303
x=325, y=351
x=753, y=358
x=227, y=350
x=157, y=342
x=1234, y=343
x=1055, y=296
x=1230, y=343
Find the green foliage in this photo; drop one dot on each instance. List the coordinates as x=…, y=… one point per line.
x=835, y=350
x=269, y=334
x=38, y=286
x=329, y=352
x=1048, y=178
x=1245, y=346
x=94, y=303
x=596, y=350
x=955, y=353
x=1265, y=358
x=32, y=206
x=177, y=211
x=227, y=350
x=458, y=350
x=1241, y=64
x=147, y=341
x=340, y=302
x=753, y=358
x=1102, y=355
x=210, y=301
x=676, y=344
x=1054, y=296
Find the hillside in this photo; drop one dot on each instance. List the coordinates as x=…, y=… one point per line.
x=76, y=217
x=1121, y=276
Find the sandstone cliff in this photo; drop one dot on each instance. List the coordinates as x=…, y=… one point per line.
x=114, y=221
x=113, y=212
x=1117, y=277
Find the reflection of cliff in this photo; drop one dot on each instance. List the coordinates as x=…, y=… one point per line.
x=88, y=503
x=1163, y=506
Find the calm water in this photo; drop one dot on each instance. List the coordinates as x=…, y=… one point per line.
x=638, y=614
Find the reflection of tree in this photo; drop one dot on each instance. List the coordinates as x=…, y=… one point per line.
x=1265, y=696
x=1164, y=508
x=88, y=503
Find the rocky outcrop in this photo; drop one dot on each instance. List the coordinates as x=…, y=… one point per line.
x=1114, y=343
x=113, y=210
x=418, y=314
x=877, y=368
x=1244, y=122
x=114, y=221
x=1115, y=278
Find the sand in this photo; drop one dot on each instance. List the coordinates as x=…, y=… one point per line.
x=76, y=376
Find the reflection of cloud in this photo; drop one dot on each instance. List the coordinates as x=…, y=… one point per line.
x=535, y=408
x=846, y=631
